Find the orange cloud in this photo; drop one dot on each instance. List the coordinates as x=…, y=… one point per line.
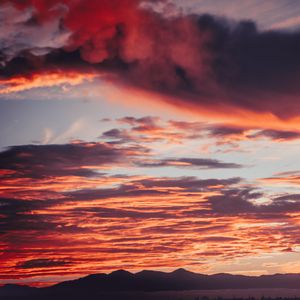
x=291, y=178
x=91, y=225
x=43, y=80
x=69, y=210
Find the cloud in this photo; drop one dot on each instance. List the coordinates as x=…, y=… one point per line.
x=100, y=223
x=200, y=163
x=237, y=133
x=152, y=187
x=224, y=131
x=233, y=133
x=116, y=134
x=77, y=159
x=104, y=212
x=40, y=80
x=187, y=184
x=240, y=201
x=160, y=135
x=277, y=135
x=219, y=239
x=146, y=130
x=42, y=263
x=194, y=61
x=23, y=31
x=291, y=178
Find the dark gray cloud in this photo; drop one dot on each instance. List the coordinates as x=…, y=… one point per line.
x=43, y=263
x=200, y=163
x=242, y=201
x=126, y=190
x=104, y=212
x=116, y=133
x=277, y=135
x=188, y=184
x=151, y=187
x=38, y=161
x=223, y=131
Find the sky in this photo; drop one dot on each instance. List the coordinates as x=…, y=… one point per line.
x=148, y=135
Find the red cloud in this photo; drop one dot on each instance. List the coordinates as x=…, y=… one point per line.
x=195, y=61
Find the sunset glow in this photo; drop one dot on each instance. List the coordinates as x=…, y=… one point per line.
x=138, y=135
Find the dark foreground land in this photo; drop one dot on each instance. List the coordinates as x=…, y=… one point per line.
x=152, y=285
x=144, y=296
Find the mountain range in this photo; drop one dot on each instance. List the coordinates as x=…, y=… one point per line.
x=147, y=281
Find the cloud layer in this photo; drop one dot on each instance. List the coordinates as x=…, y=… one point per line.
x=86, y=207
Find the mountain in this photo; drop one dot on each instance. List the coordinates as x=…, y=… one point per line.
x=150, y=281
x=11, y=291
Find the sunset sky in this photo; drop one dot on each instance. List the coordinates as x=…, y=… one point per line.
x=148, y=135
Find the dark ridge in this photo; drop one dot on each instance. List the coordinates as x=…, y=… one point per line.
x=121, y=281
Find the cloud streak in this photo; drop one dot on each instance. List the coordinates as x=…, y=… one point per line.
x=40, y=80
x=199, y=163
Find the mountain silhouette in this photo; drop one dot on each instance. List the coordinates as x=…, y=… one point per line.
x=149, y=281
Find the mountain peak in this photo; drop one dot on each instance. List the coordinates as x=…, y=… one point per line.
x=149, y=273
x=180, y=271
x=120, y=272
